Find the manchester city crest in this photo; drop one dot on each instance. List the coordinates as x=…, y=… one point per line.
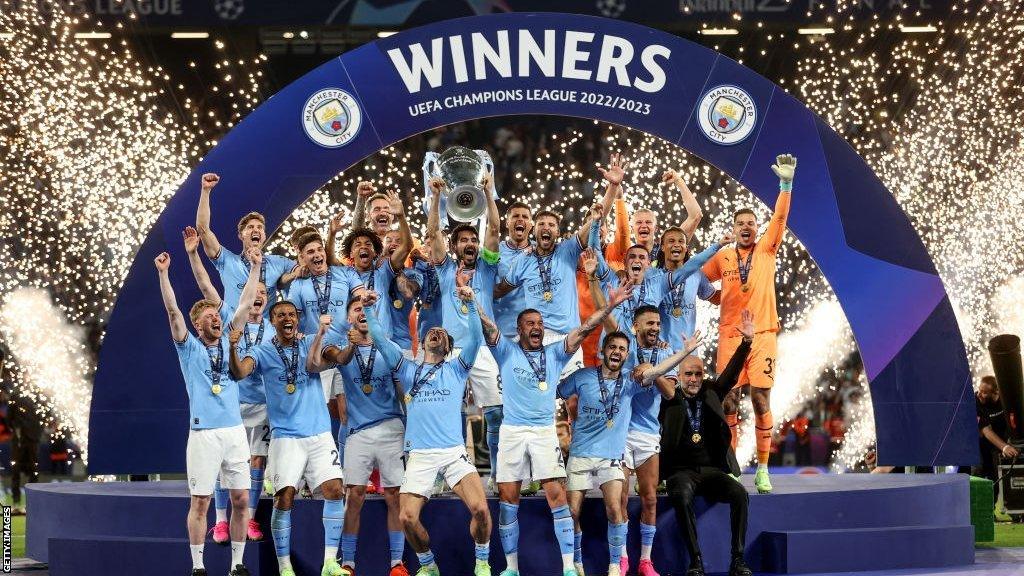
x=331, y=117
x=727, y=115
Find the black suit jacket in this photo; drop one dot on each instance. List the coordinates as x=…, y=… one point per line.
x=674, y=421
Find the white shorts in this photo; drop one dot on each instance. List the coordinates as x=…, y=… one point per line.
x=217, y=452
x=528, y=453
x=257, y=428
x=483, y=378
x=314, y=458
x=575, y=363
x=377, y=447
x=640, y=446
x=327, y=383
x=423, y=466
x=586, y=473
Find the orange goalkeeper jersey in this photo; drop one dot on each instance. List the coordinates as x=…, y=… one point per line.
x=760, y=296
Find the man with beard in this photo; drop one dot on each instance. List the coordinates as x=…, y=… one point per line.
x=375, y=430
x=363, y=247
x=381, y=213
x=234, y=268
x=679, y=307
x=301, y=446
x=434, y=388
x=605, y=395
x=992, y=429
x=478, y=269
x=748, y=283
x=698, y=456
x=528, y=445
x=548, y=277
x=252, y=398
x=216, y=440
x=326, y=290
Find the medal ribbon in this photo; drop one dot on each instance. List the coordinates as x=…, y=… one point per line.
x=216, y=362
x=291, y=369
x=544, y=266
x=263, y=268
x=676, y=292
x=366, y=368
x=609, y=410
x=634, y=304
x=744, y=267
x=248, y=336
x=430, y=287
x=323, y=298
x=371, y=278
x=640, y=356
x=417, y=383
x=539, y=370
x=694, y=415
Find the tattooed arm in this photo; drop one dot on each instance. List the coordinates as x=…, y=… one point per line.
x=616, y=296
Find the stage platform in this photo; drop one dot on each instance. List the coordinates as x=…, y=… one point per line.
x=810, y=524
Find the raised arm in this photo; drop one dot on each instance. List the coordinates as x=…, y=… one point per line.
x=248, y=296
x=698, y=260
x=590, y=262
x=595, y=215
x=652, y=373
x=476, y=336
x=363, y=192
x=693, y=211
x=390, y=351
x=490, y=329
x=594, y=245
x=404, y=233
x=240, y=367
x=493, y=233
x=616, y=296
x=178, y=330
x=210, y=243
x=198, y=270
x=315, y=360
x=335, y=227
x=784, y=168
x=434, y=236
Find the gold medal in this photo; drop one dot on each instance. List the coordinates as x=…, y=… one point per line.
x=695, y=438
x=465, y=309
x=215, y=388
x=367, y=388
x=677, y=311
x=548, y=296
x=745, y=287
x=408, y=399
x=397, y=303
x=609, y=424
x=542, y=385
x=290, y=388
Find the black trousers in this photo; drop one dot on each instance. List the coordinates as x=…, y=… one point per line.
x=24, y=454
x=715, y=486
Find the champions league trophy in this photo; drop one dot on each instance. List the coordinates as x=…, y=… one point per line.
x=462, y=170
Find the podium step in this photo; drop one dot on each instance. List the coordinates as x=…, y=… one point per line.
x=855, y=549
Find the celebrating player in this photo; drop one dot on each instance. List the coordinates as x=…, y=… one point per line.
x=748, y=283
x=253, y=400
x=433, y=396
x=301, y=446
x=528, y=444
x=605, y=394
x=234, y=268
x=479, y=269
x=679, y=307
x=548, y=276
x=216, y=439
x=375, y=431
x=326, y=290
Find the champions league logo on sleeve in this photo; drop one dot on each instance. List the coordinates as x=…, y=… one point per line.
x=726, y=115
x=331, y=118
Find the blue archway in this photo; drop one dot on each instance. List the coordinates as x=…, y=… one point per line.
x=606, y=70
